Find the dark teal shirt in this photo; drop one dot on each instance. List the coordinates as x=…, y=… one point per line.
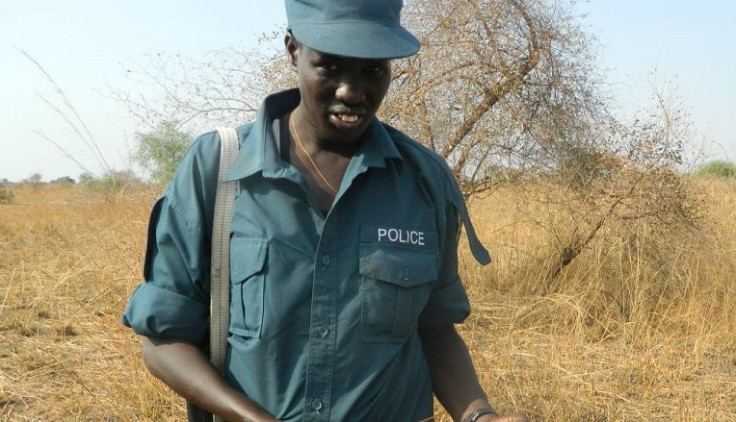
x=324, y=307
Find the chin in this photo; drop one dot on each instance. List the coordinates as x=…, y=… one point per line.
x=346, y=133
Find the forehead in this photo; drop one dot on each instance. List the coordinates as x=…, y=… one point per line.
x=318, y=55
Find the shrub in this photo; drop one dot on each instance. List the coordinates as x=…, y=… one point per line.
x=161, y=150
x=112, y=183
x=6, y=196
x=718, y=168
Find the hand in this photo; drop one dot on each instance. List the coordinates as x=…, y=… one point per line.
x=513, y=417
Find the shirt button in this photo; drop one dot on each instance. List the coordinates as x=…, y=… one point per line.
x=325, y=261
x=322, y=331
x=317, y=404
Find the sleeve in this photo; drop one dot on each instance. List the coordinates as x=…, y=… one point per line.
x=448, y=304
x=173, y=300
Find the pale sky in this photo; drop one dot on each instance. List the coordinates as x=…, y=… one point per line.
x=86, y=45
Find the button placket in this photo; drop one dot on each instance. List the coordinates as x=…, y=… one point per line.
x=322, y=333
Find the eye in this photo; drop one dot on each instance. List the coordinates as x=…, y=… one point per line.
x=376, y=68
x=329, y=66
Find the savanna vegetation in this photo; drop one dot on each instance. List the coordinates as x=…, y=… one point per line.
x=718, y=168
x=611, y=293
x=626, y=332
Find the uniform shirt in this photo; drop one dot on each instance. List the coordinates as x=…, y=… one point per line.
x=325, y=307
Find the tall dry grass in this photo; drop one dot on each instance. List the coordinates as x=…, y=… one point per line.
x=638, y=328
x=68, y=262
x=626, y=333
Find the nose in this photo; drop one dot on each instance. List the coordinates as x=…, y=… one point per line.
x=350, y=93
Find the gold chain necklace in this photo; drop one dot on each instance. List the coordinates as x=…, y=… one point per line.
x=299, y=142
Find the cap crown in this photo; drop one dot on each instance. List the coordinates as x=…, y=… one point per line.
x=353, y=28
x=386, y=12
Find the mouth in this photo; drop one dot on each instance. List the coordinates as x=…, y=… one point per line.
x=348, y=118
x=346, y=121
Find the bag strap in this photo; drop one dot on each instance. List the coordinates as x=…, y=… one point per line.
x=220, y=254
x=220, y=263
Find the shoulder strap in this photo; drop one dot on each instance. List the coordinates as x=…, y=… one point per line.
x=220, y=255
x=220, y=265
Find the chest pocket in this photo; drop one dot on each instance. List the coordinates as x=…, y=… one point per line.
x=247, y=275
x=396, y=282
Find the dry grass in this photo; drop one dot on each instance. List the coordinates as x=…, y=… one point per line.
x=624, y=335
x=68, y=262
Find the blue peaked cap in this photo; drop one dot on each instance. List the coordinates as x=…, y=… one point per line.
x=367, y=29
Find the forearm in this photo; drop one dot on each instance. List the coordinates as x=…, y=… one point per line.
x=454, y=380
x=184, y=368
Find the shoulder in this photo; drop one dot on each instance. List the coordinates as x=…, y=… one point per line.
x=205, y=148
x=437, y=177
x=194, y=184
x=197, y=166
x=201, y=162
x=432, y=166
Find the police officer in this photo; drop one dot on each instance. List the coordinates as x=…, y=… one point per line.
x=344, y=283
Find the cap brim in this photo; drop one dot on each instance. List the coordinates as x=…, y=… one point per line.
x=357, y=39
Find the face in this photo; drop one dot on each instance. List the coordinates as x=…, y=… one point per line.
x=340, y=95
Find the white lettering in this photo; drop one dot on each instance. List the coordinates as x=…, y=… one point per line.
x=407, y=237
x=393, y=235
x=403, y=239
x=381, y=234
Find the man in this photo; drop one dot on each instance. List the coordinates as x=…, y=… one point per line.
x=344, y=284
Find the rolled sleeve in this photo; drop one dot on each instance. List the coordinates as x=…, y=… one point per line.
x=172, y=302
x=157, y=312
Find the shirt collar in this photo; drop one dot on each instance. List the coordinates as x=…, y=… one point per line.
x=258, y=151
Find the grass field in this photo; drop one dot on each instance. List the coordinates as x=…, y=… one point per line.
x=625, y=334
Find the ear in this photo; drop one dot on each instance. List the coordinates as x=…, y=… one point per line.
x=292, y=48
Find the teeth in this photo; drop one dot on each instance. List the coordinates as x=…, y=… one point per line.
x=349, y=118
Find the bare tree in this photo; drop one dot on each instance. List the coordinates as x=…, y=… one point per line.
x=226, y=87
x=498, y=85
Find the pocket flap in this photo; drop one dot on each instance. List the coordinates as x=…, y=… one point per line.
x=247, y=257
x=405, y=267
